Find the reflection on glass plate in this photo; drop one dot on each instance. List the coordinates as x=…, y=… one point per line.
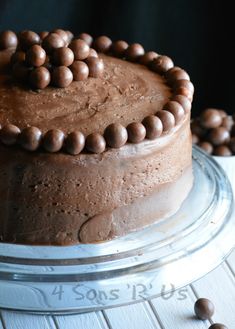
x=147, y=263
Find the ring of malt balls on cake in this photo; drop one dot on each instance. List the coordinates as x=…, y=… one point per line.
x=57, y=58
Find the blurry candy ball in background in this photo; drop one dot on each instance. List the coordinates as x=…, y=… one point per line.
x=214, y=132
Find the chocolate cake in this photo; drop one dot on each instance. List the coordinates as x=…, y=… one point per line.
x=95, y=138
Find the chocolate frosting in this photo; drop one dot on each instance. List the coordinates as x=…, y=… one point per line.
x=141, y=171
x=47, y=198
x=127, y=92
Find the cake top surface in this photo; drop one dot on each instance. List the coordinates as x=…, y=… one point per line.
x=125, y=93
x=60, y=94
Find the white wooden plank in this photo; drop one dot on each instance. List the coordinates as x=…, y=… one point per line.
x=219, y=287
x=132, y=316
x=176, y=310
x=81, y=321
x=16, y=320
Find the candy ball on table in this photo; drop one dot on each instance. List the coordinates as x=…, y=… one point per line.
x=204, y=308
x=206, y=146
x=195, y=139
x=219, y=136
x=210, y=118
x=70, y=35
x=227, y=122
x=232, y=144
x=214, y=129
x=222, y=150
x=8, y=39
x=197, y=129
x=43, y=34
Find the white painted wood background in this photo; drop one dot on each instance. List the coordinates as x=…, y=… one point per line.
x=173, y=313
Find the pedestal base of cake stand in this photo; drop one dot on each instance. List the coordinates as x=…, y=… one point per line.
x=168, y=255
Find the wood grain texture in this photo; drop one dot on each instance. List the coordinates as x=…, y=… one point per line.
x=132, y=316
x=81, y=321
x=15, y=320
x=219, y=287
x=177, y=311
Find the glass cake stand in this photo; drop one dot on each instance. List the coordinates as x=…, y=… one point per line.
x=144, y=264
